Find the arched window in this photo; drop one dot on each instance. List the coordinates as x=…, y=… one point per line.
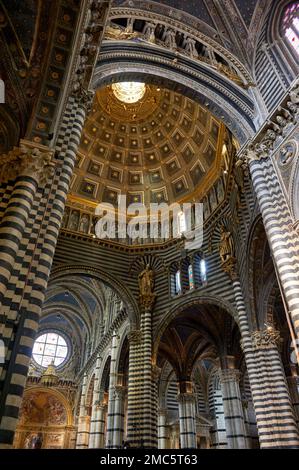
x=191, y=277
x=203, y=271
x=178, y=285
x=182, y=226
x=290, y=25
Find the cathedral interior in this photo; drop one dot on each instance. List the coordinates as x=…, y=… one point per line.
x=139, y=336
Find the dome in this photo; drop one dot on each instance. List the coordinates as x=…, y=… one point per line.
x=149, y=143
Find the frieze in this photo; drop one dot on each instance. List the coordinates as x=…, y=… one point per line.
x=273, y=133
x=194, y=32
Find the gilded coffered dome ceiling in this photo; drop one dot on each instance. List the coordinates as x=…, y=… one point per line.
x=150, y=143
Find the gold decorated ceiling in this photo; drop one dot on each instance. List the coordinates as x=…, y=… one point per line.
x=164, y=148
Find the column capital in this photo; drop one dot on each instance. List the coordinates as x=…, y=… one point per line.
x=120, y=391
x=162, y=412
x=230, y=267
x=156, y=372
x=83, y=96
x=100, y=405
x=29, y=159
x=186, y=397
x=265, y=339
x=229, y=375
x=135, y=336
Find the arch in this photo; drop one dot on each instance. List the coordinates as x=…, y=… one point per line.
x=226, y=101
x=180, y=307
x=294, y=185
x=104, y=374
x=123, y=347
x=257, y=244
x=57, y=394
x=89, y=393
x=124, y=293
x=196, y=29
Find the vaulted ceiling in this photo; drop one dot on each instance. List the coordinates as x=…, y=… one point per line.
x=25, y=35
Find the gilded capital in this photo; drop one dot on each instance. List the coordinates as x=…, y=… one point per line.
x=156, y=372
x=265, y=339
x=135, y=336
x=83, y=96
x=230, y=268
x=30, y=159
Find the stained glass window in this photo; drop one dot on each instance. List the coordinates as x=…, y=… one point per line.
x=191, y=278
x=290, y=25
x=50, y=348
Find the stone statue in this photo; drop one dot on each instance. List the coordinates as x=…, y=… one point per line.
x=294, y=95
x=190, y=47
x=84, y=223
x=286, y=154
x=146, y=281
x=169, y=39
x=149, y=32
x=226, y=246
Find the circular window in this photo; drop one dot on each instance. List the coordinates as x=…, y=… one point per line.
x=129, y=92
x=50, y=348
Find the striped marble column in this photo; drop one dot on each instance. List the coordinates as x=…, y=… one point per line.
x=82, y=440
x=149, y=395
x=162, y=429
x=119, y=416
x=142, y=387
x=111, y=392
x=187, y=416
x=273, y=409
x=99, y=442
x=32, y=269
x=233, y=411
x=293, y=383
x=283, y=239
x=28, y=165
x=135, y=392
x=95, y=403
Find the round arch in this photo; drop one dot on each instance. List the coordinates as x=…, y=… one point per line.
x=256, y=241
x=225, y=100
x=180, y=307
x=112, y=281
x=60, y=397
